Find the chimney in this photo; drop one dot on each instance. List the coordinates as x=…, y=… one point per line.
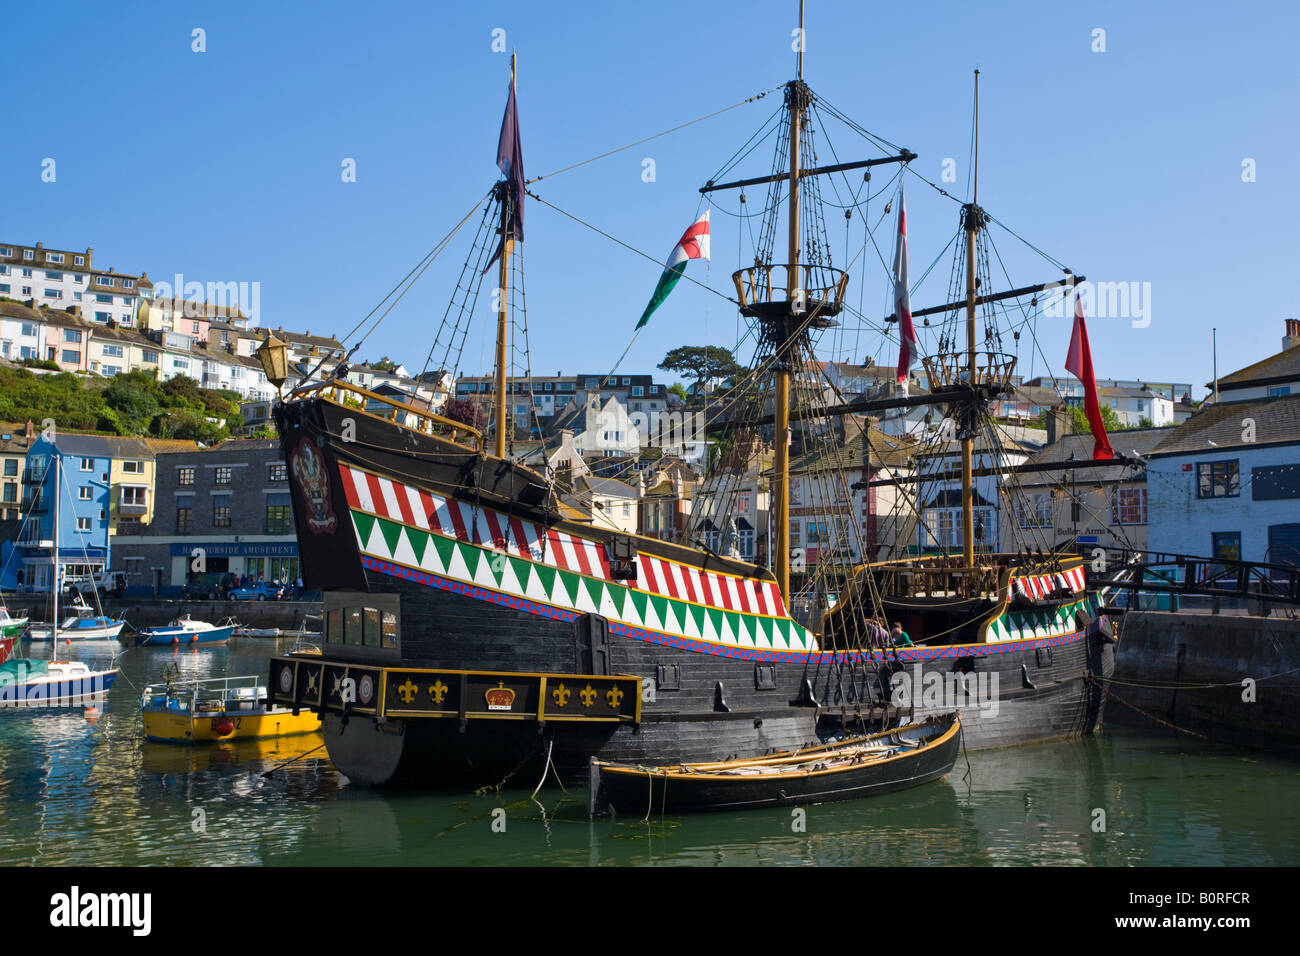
x=1059, y=423
x=29, y=433
x=1292, y=337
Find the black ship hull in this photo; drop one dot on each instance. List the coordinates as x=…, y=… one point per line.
x=514, y=640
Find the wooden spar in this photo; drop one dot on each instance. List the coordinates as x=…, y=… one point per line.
x=503, y=308
x=1024, y=469
x=1067, y=282
x=906, y=156
x=968, y=443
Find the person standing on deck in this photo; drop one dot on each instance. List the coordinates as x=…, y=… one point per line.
x=899, y=636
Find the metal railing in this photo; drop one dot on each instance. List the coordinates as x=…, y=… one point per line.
x=1122, y=569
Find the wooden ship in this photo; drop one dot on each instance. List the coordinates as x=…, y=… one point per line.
x=475, y=626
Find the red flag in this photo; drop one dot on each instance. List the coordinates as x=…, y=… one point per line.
x=907, y=344
x=1079, y=363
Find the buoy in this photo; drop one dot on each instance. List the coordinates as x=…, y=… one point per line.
x=223, y=727
x=194, y=639
x=176, y=640
x=92, y=713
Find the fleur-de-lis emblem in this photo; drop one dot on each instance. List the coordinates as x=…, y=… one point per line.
x=614, y=696
x=588, y=695
x=438, y=690
x=561, y=695
x=407, y=691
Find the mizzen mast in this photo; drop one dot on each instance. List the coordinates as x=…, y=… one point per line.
x=503, y=287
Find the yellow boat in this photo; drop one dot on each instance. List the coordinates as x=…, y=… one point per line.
x=218, y=709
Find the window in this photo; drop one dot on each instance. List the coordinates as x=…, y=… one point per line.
x=79, y=260
x=76, y=297
x=1217, y=479
x=72, y=336
x=103, y=280
x=11, y=467
x=87, y=464
x=53, y=294
x=742, y=501
x=55, y=257
x=71, y=357
x=277, y=515
x=149, y=355
x=185, y=475
x=183, y=364
x=279, y=472
x=29, y=328
x=134, y=496
x=83, y=493
x=816, y=532
x=4, y=287
x=1129, y=506
x=1275, y=483
x=112, y=351
x=1227, y=545
x=352, y=625
x=28, y=254
x=224, y=475
x=1278, y=391
x=221, y=512
x=54, y=276
x=184, y=515
x=654, y=389
x=102, y=316
x=638, y=391
x=27, y=290
x=129, y=283
x=133, y=467
x=108, y=371
x=1034, y=511
x=370, y=627
x=106, y=299
x=83, y=524
x=795, y=539
x=11, y=491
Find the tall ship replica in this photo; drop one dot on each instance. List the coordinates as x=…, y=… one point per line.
x=476, y=625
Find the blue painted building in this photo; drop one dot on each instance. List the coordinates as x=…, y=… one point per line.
x=81, y=490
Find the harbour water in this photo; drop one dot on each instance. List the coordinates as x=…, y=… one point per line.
x=79, y=789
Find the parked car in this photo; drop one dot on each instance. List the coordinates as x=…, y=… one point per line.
x=212, y=585
x=261, y=591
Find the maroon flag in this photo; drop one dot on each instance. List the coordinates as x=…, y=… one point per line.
x=1079, y=363
x=510, y=159
x=907, y=344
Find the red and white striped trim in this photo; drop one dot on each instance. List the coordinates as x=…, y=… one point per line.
x=525, y=539
x=1037, y=586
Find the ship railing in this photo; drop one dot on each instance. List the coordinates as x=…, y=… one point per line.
x=403, y=414
x=210, y=693
x=940, y=580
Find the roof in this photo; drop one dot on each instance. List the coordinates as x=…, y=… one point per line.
x=1276, y=421
x=608, y=487
x=1284, y=364
x=90, y=446
x=1112, y=391
x=873, y=448
x=1079, y=447
x=951, y=498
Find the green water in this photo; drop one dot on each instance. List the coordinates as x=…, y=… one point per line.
x=92, y=791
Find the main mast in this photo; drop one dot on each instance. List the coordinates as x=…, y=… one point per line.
x=795, y=101
x=971, y=220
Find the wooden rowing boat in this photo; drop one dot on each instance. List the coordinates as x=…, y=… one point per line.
x=844, y=770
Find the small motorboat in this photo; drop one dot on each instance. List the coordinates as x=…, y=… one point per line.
x=11, y=626
x=216, y=709
x=256, y=632
x=25, y=682
x=183, y=630
x=844, y=770
x=83, y=625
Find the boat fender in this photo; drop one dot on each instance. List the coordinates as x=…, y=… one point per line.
x=1024, y=678
x=223, y=726
x=719, y=698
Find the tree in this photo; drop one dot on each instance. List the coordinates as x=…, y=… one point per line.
x=1145, y=422
x=1109, y=420
x=703, y=363
x=678, y=389
x=466, y=412
x=385, y=364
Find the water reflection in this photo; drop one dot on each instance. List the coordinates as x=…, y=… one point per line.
x=92, y=791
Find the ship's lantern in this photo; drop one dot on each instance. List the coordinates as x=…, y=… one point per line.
x=274, y=356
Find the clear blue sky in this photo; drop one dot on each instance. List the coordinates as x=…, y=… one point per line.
x=225, y=165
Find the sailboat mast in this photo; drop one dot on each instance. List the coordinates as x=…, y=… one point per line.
x=784, y=364
x=972, y=218
x=503, y=308
x=54, y=621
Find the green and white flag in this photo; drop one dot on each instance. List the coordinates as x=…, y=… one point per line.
x=694, y=244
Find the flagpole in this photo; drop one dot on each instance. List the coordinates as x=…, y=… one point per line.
x=503, y=305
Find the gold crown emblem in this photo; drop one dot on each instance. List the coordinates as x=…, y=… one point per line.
x=500, y=697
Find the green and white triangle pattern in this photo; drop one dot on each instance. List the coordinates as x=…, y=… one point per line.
x=496, y=571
